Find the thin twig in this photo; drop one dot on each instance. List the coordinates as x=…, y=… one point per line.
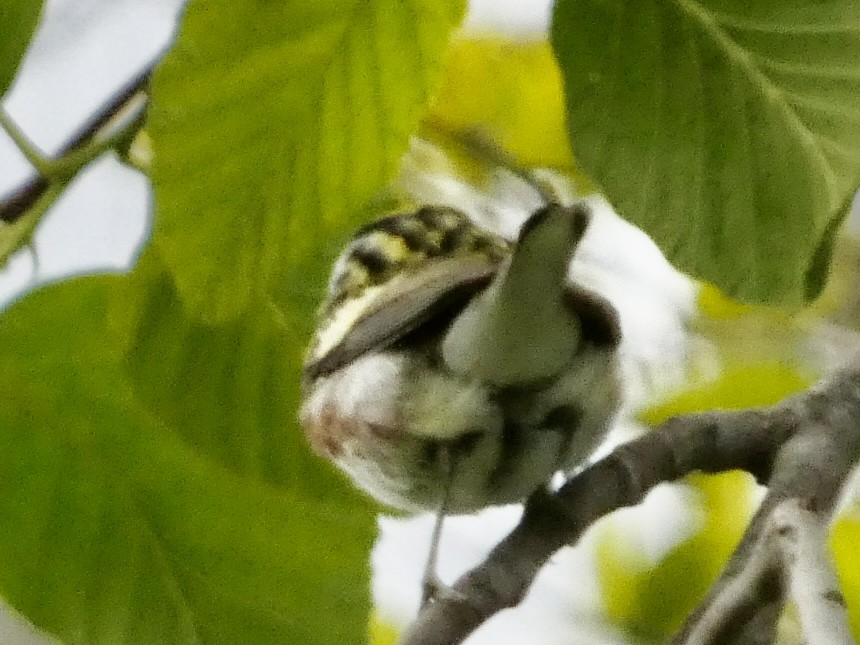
x=25, y=196
x=810, y=471
x=479, y=145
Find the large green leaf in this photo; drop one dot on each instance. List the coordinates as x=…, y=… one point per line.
x=115, y=531
x=272, y=123
x=729, y=130
x=229, y=390
x=18, y=20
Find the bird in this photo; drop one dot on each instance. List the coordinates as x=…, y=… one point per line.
x=452, y=369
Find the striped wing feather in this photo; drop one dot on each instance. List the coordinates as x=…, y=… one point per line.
x=411, y=301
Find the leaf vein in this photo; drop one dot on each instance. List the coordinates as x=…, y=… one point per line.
x=744, y=60
x=783, y=28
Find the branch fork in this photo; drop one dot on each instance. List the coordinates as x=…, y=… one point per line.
x=804, y=449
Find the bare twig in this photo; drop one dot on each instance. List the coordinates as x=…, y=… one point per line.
x=760, y=441
x=23, y=198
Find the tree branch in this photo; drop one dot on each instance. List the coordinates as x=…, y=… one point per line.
x=811, y=581
x=784, y=549
x=782, y=445
x=111, y=115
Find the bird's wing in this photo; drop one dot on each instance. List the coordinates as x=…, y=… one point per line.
x=388, y=312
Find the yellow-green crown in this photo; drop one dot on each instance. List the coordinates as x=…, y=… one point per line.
x=403, y=242
x=393, y=273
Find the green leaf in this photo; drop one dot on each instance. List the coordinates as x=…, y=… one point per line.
x=272, y=124
x=510, y=90
x=231, y=391
x=819, y=269
x=729, y=130
x=115, y=531
x=18, y=20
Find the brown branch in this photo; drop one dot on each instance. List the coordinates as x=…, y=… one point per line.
x=810, y=580
x=781, y=553
x=14, y=206
x=756, y=440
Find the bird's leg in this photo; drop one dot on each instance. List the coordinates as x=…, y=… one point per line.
x=431, y=585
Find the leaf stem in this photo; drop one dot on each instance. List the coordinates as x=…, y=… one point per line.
x=19, y=234
x=66, y=167
x=38, y=160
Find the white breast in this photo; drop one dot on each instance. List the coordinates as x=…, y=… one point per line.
x=385, y=418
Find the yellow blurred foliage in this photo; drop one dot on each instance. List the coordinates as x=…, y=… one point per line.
x=716, y=305
x=844, y=538
x=380, y=632
x=739, y=386
x=511, y=93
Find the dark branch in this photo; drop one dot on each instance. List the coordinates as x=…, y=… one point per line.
x=760, y=441
x=22, y=198
x=809, y=473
